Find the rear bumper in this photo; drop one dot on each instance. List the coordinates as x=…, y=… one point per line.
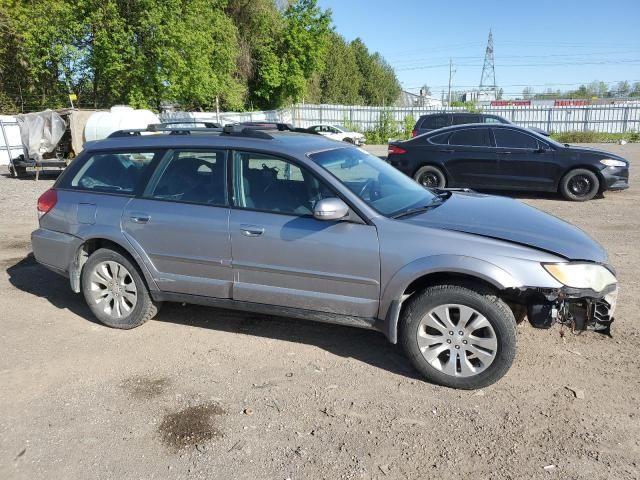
x=615, y=178
x=401, y=163
x=54, y=250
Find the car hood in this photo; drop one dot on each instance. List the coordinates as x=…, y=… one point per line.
x=507, y=219
x=595, y=152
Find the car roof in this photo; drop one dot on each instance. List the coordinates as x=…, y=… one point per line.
x=464, y=126
x=292, y=143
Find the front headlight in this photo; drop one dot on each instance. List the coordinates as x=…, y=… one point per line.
x=610, y=162
x=581, y=275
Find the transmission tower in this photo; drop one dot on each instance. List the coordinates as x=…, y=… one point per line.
x=488, y=79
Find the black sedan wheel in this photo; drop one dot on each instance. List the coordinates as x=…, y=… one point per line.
x=430, y=177
x=579, y=185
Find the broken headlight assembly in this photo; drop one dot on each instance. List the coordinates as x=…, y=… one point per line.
x=587, y=300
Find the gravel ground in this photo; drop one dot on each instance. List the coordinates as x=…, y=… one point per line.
x=204, y=393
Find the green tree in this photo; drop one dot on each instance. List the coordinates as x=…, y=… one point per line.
x=380, y=85
x=341, y=79
x=299, y=53
x=528, y=93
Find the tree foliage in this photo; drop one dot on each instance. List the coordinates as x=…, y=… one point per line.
x=192, y=53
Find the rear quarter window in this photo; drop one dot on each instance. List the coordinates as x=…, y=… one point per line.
x=433, y=122
x=440, y=139
x=113, y=172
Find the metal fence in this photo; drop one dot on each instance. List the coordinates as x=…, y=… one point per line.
x=618, y=118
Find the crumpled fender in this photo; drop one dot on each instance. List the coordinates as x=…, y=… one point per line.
x=391, y=299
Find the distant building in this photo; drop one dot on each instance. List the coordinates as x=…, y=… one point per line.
x=408, y=99
x=479, y=96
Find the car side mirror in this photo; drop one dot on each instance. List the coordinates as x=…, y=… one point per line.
x=330, y=209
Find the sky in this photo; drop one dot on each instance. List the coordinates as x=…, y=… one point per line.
x=542, y=44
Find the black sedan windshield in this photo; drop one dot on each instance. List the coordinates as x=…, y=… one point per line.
x=381, y=186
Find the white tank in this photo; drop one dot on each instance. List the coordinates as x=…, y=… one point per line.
x=102, y=124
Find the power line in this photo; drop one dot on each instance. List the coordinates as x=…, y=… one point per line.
x=559, y=55
x=610, y=82
x=518, y=65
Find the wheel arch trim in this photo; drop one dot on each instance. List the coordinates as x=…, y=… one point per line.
x=80, y=258
x=394, y=293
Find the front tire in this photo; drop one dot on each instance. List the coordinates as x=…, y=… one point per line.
x=459, y=336
x=579, y=185
x=115, y=291
x=430, y=177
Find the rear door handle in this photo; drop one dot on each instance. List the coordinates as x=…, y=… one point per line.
x=140, y=218
x=444, y=150
x=251, y=230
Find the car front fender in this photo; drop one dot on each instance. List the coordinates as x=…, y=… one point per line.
x=392, y=297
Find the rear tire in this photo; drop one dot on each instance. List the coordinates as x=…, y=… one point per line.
x=115, y=291
x=579, y=185
x=470, y=349
x=430, y=177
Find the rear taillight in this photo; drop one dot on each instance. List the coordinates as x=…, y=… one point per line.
x=47, y=201
x=395, y=150
x=414, y=133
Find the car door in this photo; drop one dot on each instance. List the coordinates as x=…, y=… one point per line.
x=181, y=223
x=525, y=160
x=283, y=256
x=469, y=158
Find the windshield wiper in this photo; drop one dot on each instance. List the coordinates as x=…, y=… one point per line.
x=416, y=210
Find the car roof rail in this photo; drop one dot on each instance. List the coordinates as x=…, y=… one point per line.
x=206, y=124
x=239, y=130
x=245, y=129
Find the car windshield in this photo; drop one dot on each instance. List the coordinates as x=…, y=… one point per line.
x=340, y=127
x=381, y=186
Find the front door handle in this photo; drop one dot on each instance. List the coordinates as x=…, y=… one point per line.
x=140, y=218
x=251, y=230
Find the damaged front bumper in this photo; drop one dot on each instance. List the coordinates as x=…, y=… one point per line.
x=581, y=309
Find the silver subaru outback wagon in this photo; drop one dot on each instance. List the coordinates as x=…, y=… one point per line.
x=305, y=227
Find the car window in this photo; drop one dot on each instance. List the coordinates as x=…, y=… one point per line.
x=472, y=137
x=434, y=122
x=492, y=120
x=464, y=119
x=377, y=183
x=507, y=138
x=117, y=172
x=192, y=176
x=440, y=139
x=273, y=184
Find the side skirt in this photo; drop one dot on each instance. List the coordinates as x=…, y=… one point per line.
x=275, y=310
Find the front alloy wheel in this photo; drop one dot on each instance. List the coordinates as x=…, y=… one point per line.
x=457, y=340
x=459, y=335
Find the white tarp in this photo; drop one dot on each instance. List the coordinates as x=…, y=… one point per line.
x=40, y=132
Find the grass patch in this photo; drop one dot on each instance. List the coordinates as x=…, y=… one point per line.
x=595, y=137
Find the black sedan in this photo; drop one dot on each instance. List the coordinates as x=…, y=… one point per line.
x=507, y=157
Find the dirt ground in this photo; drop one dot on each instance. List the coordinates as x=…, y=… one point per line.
x=204, y=393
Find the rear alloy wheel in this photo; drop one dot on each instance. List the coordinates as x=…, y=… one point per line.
x=459, y=336
x=430, y=177
x=579, y=185
x=115, y=291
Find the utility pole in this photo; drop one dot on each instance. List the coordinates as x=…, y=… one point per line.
x=450, y=75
